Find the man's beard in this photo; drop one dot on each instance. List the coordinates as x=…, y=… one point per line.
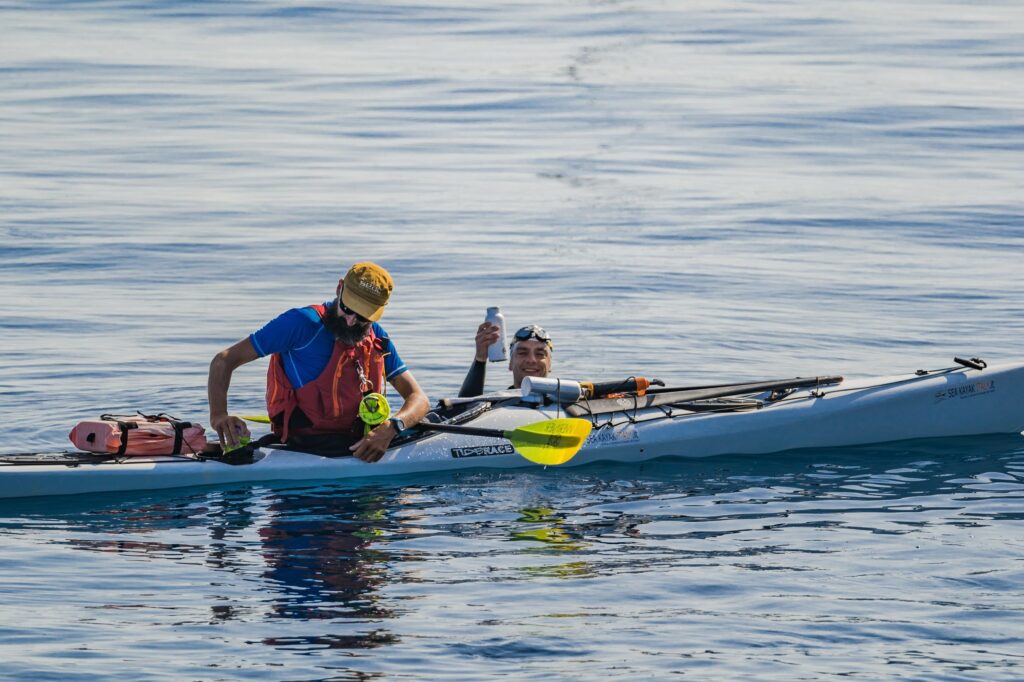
x=349, y=334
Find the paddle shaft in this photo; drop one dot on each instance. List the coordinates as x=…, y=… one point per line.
x=724, y=390
x=490, y=397
x=449, y=428
x=467, y=430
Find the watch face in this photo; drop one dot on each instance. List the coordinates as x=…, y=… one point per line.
x=398, y=424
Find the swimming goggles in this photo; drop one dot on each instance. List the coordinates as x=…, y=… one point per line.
x=533, y=332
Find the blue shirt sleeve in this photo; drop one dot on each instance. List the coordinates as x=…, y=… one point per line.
x=393, y=365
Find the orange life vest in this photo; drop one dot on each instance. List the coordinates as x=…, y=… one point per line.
x=329, y=403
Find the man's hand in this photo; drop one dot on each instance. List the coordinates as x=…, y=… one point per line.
x=372, y=447
x=486, y=335
x=229, y=430
x=375, y=443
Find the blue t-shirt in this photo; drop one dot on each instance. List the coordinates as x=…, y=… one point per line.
x=306, y=345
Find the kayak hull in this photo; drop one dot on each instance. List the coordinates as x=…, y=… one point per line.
x=949, y=403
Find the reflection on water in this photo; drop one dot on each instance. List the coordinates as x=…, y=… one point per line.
x=311, y=550
x=319, y=555
x=475, y=563
x=542, y=524
x=321, y=565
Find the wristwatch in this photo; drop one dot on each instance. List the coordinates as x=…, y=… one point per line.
x=397, y=424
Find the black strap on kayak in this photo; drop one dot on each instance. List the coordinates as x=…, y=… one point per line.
x=179, y=434
x=179, y=427
x=124, y=426
x=65, y=459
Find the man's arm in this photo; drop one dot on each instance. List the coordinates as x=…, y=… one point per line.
x=372, y=447
x=229, y=429
x=473, y=384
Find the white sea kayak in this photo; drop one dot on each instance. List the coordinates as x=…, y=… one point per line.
x=753, y=418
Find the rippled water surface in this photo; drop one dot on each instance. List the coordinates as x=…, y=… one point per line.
x=696, y=191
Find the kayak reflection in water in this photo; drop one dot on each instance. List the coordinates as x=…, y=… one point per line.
x=323, y=359
x=530, y=356
x=322, y=563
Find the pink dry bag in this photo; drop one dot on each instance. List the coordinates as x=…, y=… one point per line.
x=140, y=434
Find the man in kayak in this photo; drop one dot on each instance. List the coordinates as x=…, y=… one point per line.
x=323, y=359
x=531, y=357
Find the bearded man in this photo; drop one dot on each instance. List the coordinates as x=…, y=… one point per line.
x=323, y=359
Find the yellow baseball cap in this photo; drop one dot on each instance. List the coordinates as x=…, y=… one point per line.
x=367, y=289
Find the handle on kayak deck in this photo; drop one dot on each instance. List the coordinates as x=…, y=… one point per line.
x=973, y=363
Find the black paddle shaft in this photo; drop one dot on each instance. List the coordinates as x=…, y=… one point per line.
x=724, y=390
x=468, y=430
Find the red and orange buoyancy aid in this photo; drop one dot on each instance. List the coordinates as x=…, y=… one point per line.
x=329, y=403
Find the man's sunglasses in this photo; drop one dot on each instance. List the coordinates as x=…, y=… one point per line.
x=348, y=311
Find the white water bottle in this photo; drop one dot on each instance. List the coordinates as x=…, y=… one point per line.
x=496, y=351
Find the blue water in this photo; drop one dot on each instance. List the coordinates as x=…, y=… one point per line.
x=691, y=191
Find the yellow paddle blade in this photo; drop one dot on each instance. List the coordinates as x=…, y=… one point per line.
x=550, y=442
x=261, y=418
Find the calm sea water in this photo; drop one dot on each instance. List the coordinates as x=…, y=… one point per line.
x=693, y=191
